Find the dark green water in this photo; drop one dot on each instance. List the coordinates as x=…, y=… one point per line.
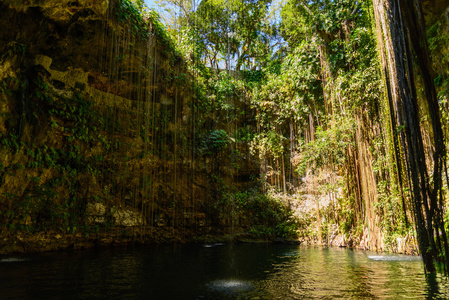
x=217, y=271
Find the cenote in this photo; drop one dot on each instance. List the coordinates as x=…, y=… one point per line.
x=318, y=121
x=218, y=271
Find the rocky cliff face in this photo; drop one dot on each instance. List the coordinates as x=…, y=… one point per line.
x=99, y=126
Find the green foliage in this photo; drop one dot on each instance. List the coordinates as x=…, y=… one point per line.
x=218, y=31
x=244, y=134
x=214, y=142
x=222, y=88
x=290, y=95
x=130, y=13
x=438, y=38
x=14, y=48
x=329, y=146
x=264, y=216
x=140, y=4
x=161, y=32
x=247, y=22
x=268, y=144
x=252, y=76
x=10, y=141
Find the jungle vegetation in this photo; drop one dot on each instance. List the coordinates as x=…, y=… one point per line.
x=341, y=105
x=349, y=107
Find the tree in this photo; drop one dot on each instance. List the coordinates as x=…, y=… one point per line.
x=401, y=36
x=240, y=31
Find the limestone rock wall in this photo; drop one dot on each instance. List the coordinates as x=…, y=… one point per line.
x=99, y=123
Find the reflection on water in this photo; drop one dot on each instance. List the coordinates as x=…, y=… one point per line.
x=12, y=259
x=217, y=271
x=228, y=288
x=340, y=273
x=394, y=257
x=213, y=245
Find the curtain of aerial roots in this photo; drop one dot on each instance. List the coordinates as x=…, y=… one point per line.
x=142, y=169
x=366, y=130
x=401, y=34
x=360, y=180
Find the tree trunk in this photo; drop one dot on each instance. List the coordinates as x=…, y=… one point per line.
x=401, y=36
